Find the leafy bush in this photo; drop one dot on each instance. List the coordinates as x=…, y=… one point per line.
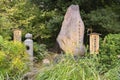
x=40, y=51
x=109, y=51
x=13, y=57
x=113, y=74
x=70, y=69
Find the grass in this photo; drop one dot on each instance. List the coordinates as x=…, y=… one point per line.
x=71, y=69
x=7, y=77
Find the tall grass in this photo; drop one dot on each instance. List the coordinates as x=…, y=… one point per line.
x=7, y=77
x=70, y=68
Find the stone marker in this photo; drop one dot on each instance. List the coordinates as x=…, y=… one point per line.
x=17, y=35
x=94, y=43
x=29, y=47
x=70, y=38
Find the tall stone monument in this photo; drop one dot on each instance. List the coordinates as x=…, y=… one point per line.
x=71, y=36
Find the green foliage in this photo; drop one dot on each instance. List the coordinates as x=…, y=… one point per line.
x=109, y=51
x=46, y=26
x=102, y=16
x=16, y=14
x=106, y=18
x=7, y=77
x=70, y=69
x=113, y=74
x=40, y=51
x=43, y=19
x=13, y=57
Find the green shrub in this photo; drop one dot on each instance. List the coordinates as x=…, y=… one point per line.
x=109, y=51
x=40, y=51
x=70, y=69
x=13, y=57
x=113, y=74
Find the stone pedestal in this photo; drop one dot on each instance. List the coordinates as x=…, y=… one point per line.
x=29, y=47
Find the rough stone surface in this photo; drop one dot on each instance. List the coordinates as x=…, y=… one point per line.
x=28, y=36
x=70, y=38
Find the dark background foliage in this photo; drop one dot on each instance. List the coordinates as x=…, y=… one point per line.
x=43, y=18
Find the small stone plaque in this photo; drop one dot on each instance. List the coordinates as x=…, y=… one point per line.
x=17, y=35
x=94, y=43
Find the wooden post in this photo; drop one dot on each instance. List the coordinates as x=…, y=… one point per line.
x=17, y=35
x=94, y=43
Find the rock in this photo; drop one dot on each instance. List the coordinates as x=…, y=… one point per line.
x=46, y=61
x=71, y=36
x=118, y=56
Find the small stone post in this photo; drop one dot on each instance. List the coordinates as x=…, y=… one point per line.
x=94, y=43
x=29, y=46
x=17, y=35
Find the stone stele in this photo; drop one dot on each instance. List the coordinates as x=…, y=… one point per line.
x=71, y=36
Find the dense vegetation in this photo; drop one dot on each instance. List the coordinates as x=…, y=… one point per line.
x=43, y=18
x=13, y=58
x=70, y=68
x=109, y=51
x=104, y=66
